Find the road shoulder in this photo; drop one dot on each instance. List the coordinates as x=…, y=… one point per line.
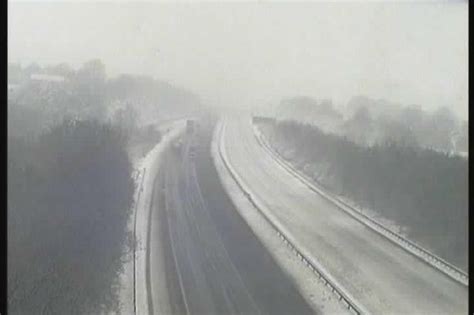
x=318, y=296
x=133, y=294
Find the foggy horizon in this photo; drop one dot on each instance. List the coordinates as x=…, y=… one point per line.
x=234, y=157
x=248, y=54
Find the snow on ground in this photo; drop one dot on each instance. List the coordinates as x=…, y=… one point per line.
x=145, y=169
x=126, y=277
x=382, y=226
x=379, y=274
x=318, y=296
x=387, y=223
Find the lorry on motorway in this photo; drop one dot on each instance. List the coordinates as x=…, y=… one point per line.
x=262, y=119
x=190, y=126
x=192, y=152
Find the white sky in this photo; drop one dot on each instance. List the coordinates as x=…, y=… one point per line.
x=244, y=54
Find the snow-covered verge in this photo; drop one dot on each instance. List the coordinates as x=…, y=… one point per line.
x=316, y=290
x=139, y=146
x=133, y=280
x=391, y=231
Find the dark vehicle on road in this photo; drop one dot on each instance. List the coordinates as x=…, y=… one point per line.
x=190, y=126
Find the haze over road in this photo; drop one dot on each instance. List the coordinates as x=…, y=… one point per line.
x=380, y=275
x=214, y=263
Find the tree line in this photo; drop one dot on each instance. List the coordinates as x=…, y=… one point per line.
x=421, y=189
x=69, y=198
x=87, y=92
x=369, y=121
x=69, y=182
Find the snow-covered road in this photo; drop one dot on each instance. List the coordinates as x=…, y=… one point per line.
x=380, y=275
x=134, y=281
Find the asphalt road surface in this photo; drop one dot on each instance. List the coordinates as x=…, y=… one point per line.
x=383, y=277
x=214, y=263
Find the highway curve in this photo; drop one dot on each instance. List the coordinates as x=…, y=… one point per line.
x=383, y=277
x=214, y=263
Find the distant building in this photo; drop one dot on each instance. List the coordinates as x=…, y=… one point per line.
x=11, y=90
x=47, y=78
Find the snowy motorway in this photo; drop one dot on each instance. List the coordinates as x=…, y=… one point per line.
x=213, y=263
x=375, y=272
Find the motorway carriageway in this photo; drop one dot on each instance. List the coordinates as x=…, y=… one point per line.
x=214, y=263
x=380, y=275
